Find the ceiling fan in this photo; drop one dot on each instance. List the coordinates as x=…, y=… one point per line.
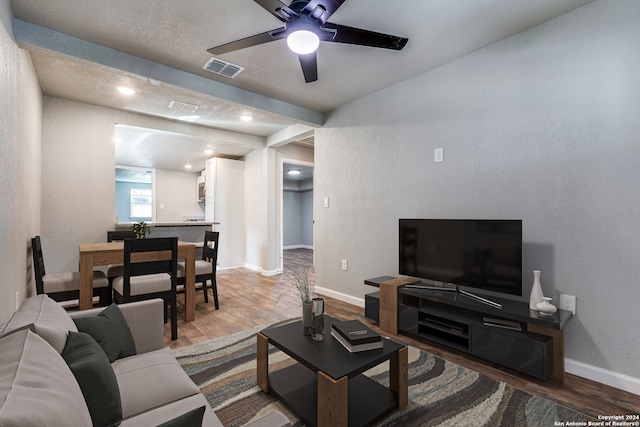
x=305, y=26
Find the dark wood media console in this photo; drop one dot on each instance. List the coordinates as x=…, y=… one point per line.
x=514, y=336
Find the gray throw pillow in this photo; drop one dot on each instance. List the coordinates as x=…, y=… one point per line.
x=110, y=329
x=192, y=418
x=36, y=386
x=96, y=378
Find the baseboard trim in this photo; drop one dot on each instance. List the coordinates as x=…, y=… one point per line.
x=265, y=273
x=340, y=296
x=580, y=369
x=252, y=267
x=603, y=376
x=297, y=247
x=268, y=273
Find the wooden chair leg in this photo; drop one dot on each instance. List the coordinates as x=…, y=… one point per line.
x=174, y=318
x=214, y=287
x=205, y=290
x=165, y=311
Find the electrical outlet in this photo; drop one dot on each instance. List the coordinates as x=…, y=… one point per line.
x=344, y=265
x=568, y=303
x=438, y=155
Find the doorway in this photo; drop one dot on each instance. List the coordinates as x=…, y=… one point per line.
x=297, y=237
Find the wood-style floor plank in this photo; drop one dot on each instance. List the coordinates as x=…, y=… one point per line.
x=248, y=299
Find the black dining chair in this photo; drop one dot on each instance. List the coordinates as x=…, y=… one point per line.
x=115, y=270
x=151, y=275
x=65, y=287
x=120, y=235
x=205, y=268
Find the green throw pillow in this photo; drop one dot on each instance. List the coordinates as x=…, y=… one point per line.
x=110, y=330
x=190, y=419
x=96, y=378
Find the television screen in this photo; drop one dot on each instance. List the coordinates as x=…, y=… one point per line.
x=482, y=254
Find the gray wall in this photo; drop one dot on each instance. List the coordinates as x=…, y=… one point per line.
x=21, y=113
x=542, y=126
x=297, y=222
x=123, y=199
x=77, y=141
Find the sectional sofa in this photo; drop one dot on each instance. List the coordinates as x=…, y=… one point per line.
x=52, y=374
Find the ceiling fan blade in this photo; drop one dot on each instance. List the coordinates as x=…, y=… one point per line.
x=309, y=64
x=351, y=35
x=277, y=9
x=268, y=36
x=321, y=10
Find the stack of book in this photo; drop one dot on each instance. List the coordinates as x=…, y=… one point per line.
x=355, y=336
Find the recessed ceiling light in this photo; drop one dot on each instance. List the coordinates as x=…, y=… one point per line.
x=126, y=90
x=188, y=166
x=246, y=118
x=208, y=152
x=293, y=171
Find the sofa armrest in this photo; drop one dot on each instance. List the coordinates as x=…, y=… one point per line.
x=145, y=319
x=272, y=419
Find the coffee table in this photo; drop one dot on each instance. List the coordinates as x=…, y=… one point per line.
x=326, y=387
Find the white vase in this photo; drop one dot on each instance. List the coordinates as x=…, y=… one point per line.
x=545, y=307
x=536, y=291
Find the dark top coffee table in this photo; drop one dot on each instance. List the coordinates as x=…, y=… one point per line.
x=326, y=387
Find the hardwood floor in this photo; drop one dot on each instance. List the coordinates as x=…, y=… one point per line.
x=248, y=299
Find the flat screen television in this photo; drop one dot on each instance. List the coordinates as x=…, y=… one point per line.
x=480, y=254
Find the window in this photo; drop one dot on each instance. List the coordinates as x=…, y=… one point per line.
x=141, y=206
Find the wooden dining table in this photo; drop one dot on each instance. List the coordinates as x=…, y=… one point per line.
x=96, y=254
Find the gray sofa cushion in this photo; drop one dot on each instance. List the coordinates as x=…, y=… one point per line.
x=47, y=317
x=164, y=413
x=32, y=376
x=109, y=328
x=192, y=418
x=149, y=380
x=96, y=378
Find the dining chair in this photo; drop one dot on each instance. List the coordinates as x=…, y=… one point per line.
x=64, y=287
x=149, y=271
x=205, y=268
x=115, y=270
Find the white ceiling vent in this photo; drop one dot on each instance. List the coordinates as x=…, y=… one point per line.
x=223, y=68
x=183, y=106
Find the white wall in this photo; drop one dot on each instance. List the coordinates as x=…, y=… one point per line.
x=255, y=209
x=542, y=126
x=21, y=114
x=263, y=194
x=178, y=192
x=78, y=174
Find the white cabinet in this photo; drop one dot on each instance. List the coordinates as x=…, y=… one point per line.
x=224, y=203
x=201, y=186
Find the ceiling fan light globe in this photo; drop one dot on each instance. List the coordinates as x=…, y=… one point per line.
x=303, y=42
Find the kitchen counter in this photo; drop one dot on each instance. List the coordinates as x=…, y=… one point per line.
x=188, y=231
x=127, y=225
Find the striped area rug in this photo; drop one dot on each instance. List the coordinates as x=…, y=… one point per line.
x=441, y=393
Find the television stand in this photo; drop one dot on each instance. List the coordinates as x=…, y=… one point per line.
x=514, y=336
x=455, y=288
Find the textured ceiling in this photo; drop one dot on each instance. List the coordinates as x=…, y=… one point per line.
x=82, y=49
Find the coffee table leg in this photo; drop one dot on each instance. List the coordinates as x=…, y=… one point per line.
x=262, y=368
x=332, y=401
x=399, y=376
